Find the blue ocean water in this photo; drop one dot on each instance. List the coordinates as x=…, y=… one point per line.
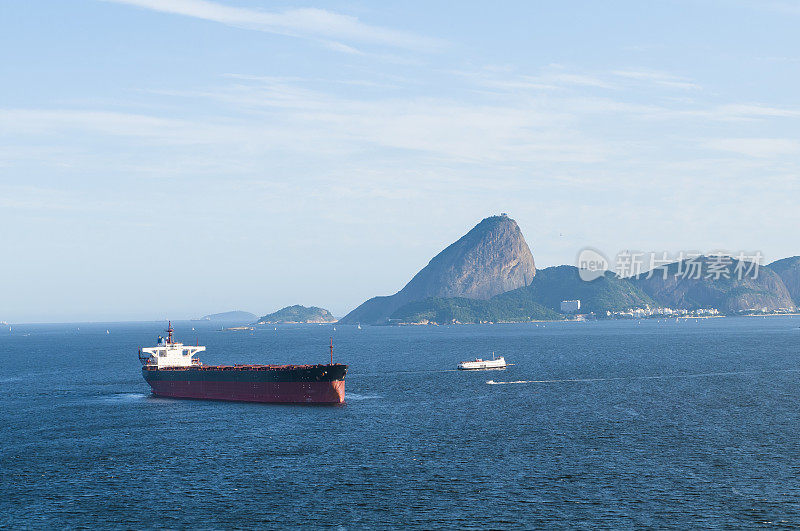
x=614, y=424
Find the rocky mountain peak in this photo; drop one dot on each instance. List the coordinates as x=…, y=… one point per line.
x=699, y=283
x=490, y=259
x=789, y=271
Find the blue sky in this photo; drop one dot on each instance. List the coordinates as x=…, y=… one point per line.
x=169, y=158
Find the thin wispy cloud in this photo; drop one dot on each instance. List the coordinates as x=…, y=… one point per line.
x=757, y=111
x=791, y=7
x=318, y=24
x=551, y=78
x=765, y=148
x=259, y=114
x=663, y=79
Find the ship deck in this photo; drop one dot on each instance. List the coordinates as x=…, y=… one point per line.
x=244, y=367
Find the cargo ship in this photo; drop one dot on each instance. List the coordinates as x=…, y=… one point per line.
x=172, y=371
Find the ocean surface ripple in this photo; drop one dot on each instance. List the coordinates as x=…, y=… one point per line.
x=605, y=424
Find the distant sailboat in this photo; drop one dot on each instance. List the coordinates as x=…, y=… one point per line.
x=107, y=332
x=359, y=326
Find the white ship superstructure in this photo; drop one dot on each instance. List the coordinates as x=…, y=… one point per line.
x=480, y=364
x=167, y=353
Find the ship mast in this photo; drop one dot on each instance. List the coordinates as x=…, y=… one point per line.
x=169, y=332
x=331, y=350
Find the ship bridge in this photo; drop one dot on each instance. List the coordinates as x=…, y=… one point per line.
x=168, y=353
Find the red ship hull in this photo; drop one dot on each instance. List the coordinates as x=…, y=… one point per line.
x=296, y=384
x=275, y=392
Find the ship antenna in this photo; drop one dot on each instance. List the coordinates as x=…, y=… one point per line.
x=331, y=350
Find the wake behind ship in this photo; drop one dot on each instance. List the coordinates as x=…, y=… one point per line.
x=171, y=371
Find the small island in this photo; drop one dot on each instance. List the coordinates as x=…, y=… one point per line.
x=236, y=315
x=298, y=315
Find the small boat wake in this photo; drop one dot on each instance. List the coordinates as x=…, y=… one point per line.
x=121, y=397
x=357, y=397
x=633, y=378
x=394, y=373
x=568, y=380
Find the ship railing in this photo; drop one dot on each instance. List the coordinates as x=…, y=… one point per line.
x=145, y=358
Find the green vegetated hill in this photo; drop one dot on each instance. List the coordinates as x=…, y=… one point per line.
x=607, y=293
x=461, y=310
x=541, y=300
x=298, y=314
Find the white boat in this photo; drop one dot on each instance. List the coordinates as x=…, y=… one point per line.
x=479, y=364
